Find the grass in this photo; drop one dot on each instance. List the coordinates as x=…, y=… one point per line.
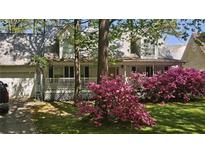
x=172, y=118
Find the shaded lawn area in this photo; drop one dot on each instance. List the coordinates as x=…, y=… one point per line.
x=59, y=117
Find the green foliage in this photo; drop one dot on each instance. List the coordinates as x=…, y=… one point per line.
x=198, y=42
x=15, y=25
x=202, y=37
x=150, y=29
x=41, y=61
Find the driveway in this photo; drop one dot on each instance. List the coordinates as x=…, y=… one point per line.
x=18, y=120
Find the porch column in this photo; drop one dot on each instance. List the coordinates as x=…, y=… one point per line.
x=153, y=69
x=125, y=72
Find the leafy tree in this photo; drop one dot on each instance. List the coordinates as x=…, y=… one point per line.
x=78, y=37
x=15, y=25
x=151, y=29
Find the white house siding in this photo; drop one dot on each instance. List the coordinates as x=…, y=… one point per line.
x=20, y=80
x=194, y=56
x=61, y=87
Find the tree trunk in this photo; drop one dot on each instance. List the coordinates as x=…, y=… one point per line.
x=44, y=26
x=103, y=43
x=34, y=26
x=77, y=60
x=38, y=82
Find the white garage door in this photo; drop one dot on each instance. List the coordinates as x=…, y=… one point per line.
x=20, y=81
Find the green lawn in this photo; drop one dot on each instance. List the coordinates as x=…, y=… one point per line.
x=172, y=118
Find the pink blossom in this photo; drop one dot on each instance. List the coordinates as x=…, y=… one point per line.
x=114, y=100
x=175, y=84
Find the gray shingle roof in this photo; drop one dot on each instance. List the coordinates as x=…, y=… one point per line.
x=17, y=49
x=172, y=52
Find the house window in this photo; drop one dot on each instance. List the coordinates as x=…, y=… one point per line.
x=50, y=72
x=66, y=72
x=134, y=69
x=148, y=49
x=85, y=72
x=117, y=71
x=58, y=72
x=69, y=71
x=149, y=71
x=135, y=46
x=166, y=68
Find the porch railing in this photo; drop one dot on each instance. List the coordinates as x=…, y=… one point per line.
x=66, y=83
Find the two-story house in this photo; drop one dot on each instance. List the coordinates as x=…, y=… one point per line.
x=57, y=81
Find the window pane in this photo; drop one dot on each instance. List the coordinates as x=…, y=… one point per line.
x=86, y=71
x=71, y=71
x=50, y=72
x=133, y=69
x=81, y=71
x=149, y=71
x=117, y=71
x=66, y=71
x=166, y=68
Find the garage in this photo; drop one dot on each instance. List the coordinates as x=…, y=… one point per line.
x=20, y=80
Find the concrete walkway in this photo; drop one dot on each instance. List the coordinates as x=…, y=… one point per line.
x=18, y=120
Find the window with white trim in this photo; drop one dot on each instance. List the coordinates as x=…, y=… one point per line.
x=68, y=71
x=149, y=71
x=85, y=71
x=148, y=49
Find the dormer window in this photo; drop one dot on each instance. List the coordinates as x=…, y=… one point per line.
x=148, y=49
x=135, y=46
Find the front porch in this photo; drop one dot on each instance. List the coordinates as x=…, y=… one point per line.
x=60, y=77
x=66, y=83
x=63, y=88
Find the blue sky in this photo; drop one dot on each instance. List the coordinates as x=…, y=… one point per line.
x=173, y=40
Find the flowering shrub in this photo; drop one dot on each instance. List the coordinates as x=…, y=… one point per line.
x=137, y=81
x=115, y=100
x=175, y=84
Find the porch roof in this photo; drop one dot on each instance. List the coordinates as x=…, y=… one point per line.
x=127, y=61
x=153, y=61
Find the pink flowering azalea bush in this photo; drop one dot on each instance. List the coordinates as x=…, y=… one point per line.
x=137, y=81
x=175, y=84
x=114, y=100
